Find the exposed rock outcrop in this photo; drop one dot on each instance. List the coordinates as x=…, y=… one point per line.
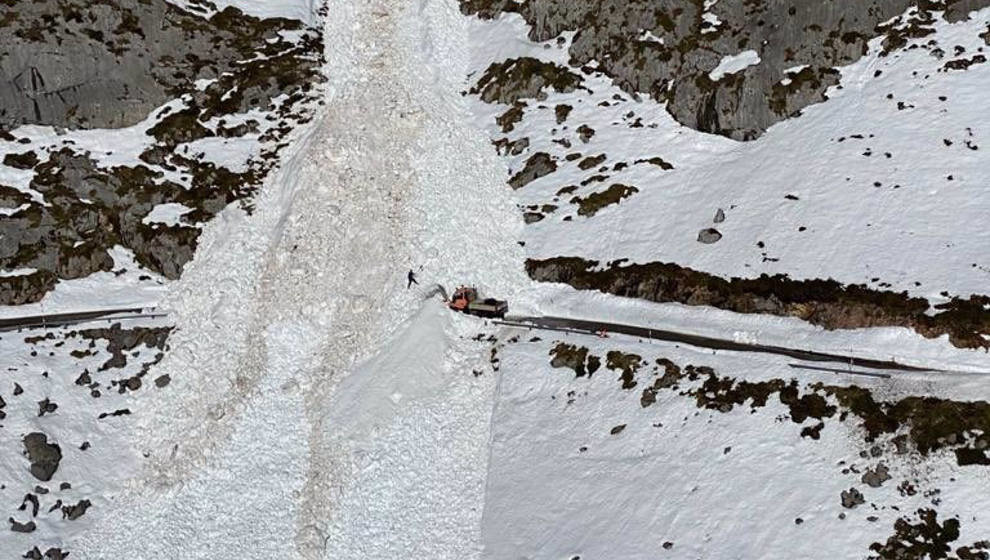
x=709, y=236
x=88, y=212
x=518, y=78
x=77, y=64
x=695, y=36
x=538, y=165
x=107, y=64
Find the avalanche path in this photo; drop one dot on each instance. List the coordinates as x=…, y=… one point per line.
x=320, y=407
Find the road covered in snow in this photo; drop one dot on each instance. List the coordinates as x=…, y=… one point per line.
x=318, y=393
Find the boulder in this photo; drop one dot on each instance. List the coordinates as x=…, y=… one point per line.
x=709, y=236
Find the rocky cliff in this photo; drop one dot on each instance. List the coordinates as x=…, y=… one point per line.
x=671, y=49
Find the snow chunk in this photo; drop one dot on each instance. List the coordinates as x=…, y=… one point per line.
x=17, y=272
x=648, y=36
x=710, y=21
x=168, y=214
x=792, y=71
x=734, y=63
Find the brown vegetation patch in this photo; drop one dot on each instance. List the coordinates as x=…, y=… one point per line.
x=591, y=162
x=657, y=161
x=964, y=63
x=27, y=160
x=628, y=364
x=826, y=303
x=929, y=424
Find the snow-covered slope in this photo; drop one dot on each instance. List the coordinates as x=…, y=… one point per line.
x=300, y=401
x=890, y=168
x=881, y=185
x=280, y=307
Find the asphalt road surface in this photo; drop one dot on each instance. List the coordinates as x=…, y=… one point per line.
x=63, y=319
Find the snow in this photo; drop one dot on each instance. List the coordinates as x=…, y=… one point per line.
x=899, y=344
x=130, y=284
x=233, y=153
x=410, y=432
x=710, y=20
x=108, y=147
x=716, y=485
x=17, y=272
x=734, y=63
x=629, y=493
x=859, y=232
x=136, y=288
x=788, y=72
x=319, y=409
x=303, y=10
x=650, y=37
x=76, y=419
x=324, y=259
x=169, y=214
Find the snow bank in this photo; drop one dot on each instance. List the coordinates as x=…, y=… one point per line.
x=734, y=63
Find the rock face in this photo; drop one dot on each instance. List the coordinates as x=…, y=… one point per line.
x=874, y=478
x=89, y=211
x=74, y=63
x=107, y=64
x=798, y=44
x=44, y=456
x=120, y=340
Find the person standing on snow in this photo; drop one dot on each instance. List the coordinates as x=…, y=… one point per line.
x=412, y=279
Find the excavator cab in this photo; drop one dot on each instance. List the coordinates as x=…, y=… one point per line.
x=462, y=298
x=466, y=300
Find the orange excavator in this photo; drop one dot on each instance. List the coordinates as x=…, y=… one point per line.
x=465, y=300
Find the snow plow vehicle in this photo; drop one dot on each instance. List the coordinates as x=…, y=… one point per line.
x=465, y=300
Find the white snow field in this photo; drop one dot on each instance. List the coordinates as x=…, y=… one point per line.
x=713, y=484
x=871, y=201
x=318, y=408
x=887, y=177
